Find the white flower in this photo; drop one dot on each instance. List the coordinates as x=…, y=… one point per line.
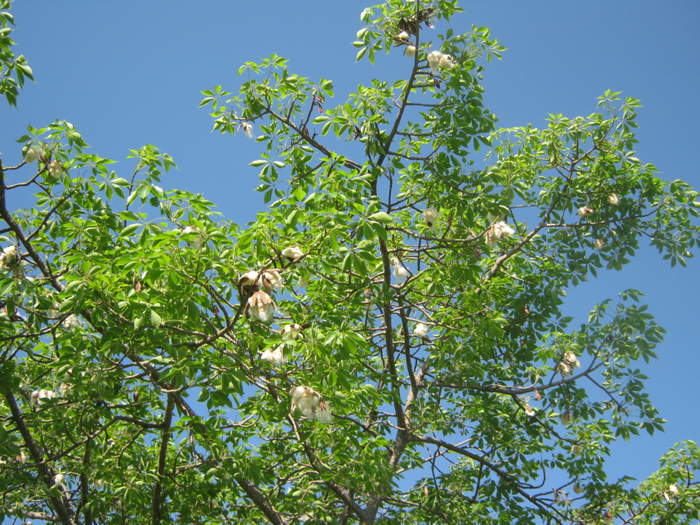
x=250, y=279
x=578, y=489
x=23, y=458
x=584, y=212
x=430, y=216
x=291, y=331
x=613, y=199
x=276, y=356
x=420, y=330
x=671, y=493
x=599, y=244
x=566, y=418
x=38, y=396
x=272, y=281
x=32, y=154
x=400, y=272
x=497, y=232
x=571, y=358
x=292, y=254
x=64, y=389
x=410, y=51
x=53, y=312
x=9, y=257
x=306, y=399
x=260, y=307
x=564, y=369
x=248, y=129
x=577, y=450
x=529, y=411
x=198, y=241
x=55, y=169
x=60, y=480
x=434, y=61
x=71, y=322
x=446, y=62
x=303, y=281
x=401, y=38
x=324, y=414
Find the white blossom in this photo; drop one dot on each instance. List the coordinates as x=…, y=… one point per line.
x=671, y=493
x=529, y=411
x=599, y=244
x=250, y=279
x=271, y=280
x=430, y=216
x=306, y=399
x=571, y=358
x=324, y=414
x=401, y=38
x=71, y=322
x=23, y=458
x=291, y=331
x=292, y=254
x=400, y=272
x=64, y=389
x=613, y=199
x=566, y=418
x=9, y=257
x=38, y=396
x=564, y=369
x=60, y=480
x=495, y=233
x=420, y=330
x=261, y=307
x=434, y=61
x=32, y=154
x=276, y=356
x=55, y=169
x=584, y=211
x=248, y=129
x=446, y=62
x=410, y=51
x=303, y=281
x=198, y=241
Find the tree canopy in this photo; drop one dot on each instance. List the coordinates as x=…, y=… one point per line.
x=384, y=343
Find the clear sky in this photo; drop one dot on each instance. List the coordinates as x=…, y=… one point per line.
x=131, y=73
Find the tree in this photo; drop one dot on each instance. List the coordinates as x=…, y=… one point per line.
x=384, y=343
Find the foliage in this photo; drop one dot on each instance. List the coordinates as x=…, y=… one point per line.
x=424, y=295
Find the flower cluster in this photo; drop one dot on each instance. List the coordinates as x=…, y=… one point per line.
x=9, y=257
x=71, y=322
x=294, y=255
x=276, y=356
x=430, y=216
x=613, y=199
x=497, y=232
x=55, y=169
x=32, y=154
x=198, y=241
x=437, y=59
x=567, y=364
x=671, y=493
x=38, y=396
x=584, y=212
x=310, y=404
x=400, y=272
x=420, y=330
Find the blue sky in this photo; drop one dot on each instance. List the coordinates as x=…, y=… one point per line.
x=130, y=73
